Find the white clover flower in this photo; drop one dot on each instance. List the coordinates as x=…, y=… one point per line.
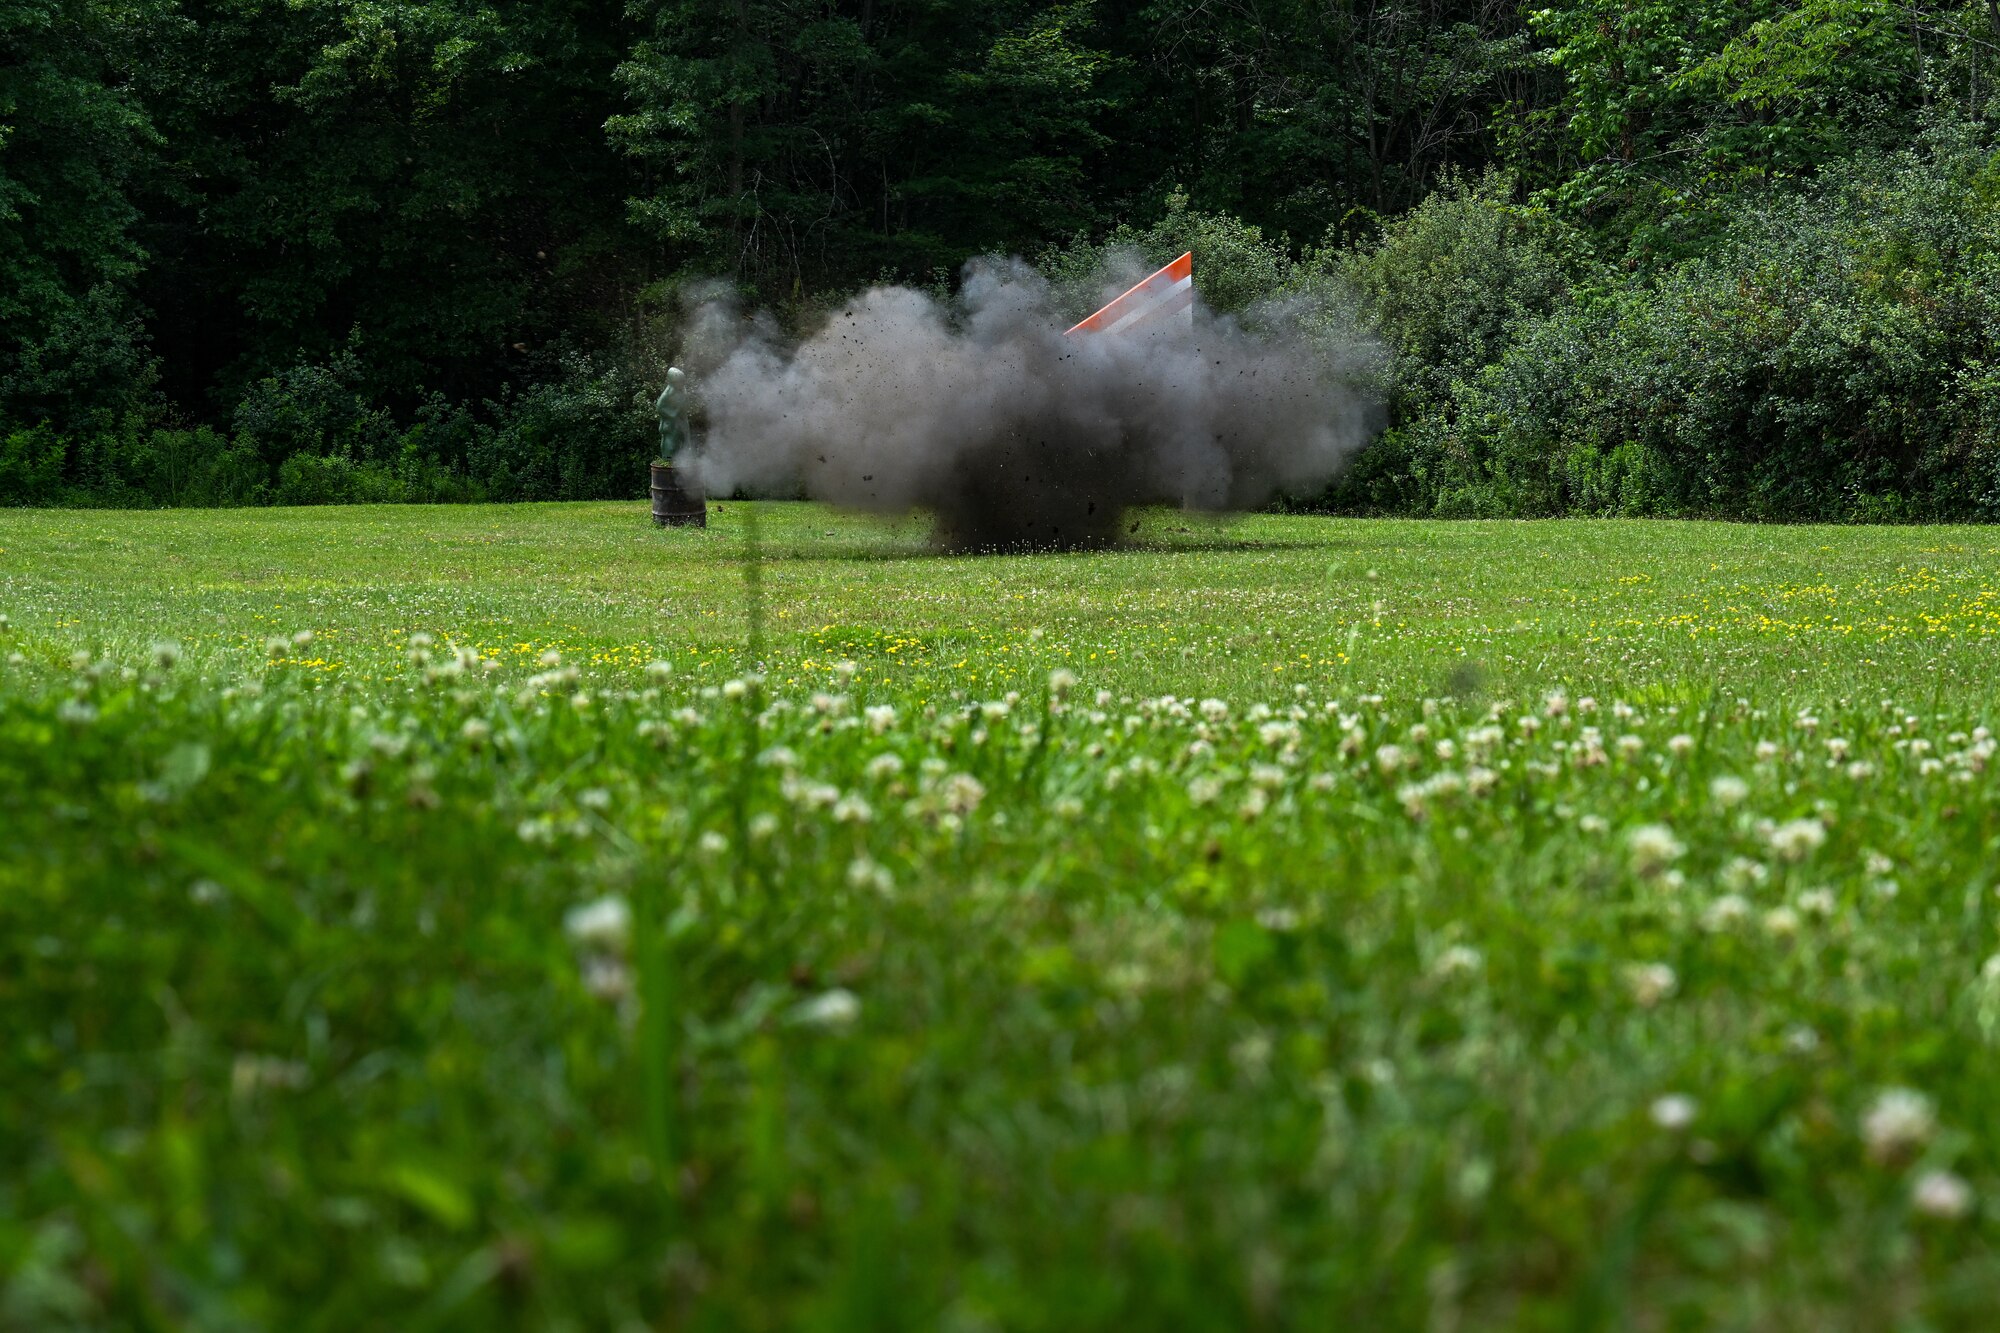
x=1837, y=748
x=1742, y=873
x=1782, y=922
x=1725, y=913
x=1797, y=839
x=1879, y=864
x=779, y=756
x=1767, y=751
x=1728, y=791
x=1680, y=746
x=1653, y=847
x=1593, y=824
x=659, y=670
x=1817, y=902
x=594, y=798
x=1861, y=769
x=834, y=1010
x=1630, y=746
x=1267, y=775
x=1214, y=710
x=1278, y=733
x=735, y=689
x=1942, y=1195
x=76, y=712
x=1898, y=1123
x=1445, y=750
x=852, y=809
x=1479, y=780
x=1458, y=960
x=607, y=979
x=712, y=843
x=810, y=795
x=1061, y=681
x=1623, y=711
x=762, y=825
x=1389, y=758
x=1555, y=703
x=961, y=793
x=1204, y=789
x=605, y=923
x=1650, y=983
x=846, y=669
x=1673, y=1112
x=864, y=873
x=166, y=654
x=880, y=717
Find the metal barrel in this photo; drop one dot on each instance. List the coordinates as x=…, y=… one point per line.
x=677, y=501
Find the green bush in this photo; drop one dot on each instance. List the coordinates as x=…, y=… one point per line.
x=1828, y=359
x=31, y=466
x=1449, y=284
x=1235, y=264
x=586, y=435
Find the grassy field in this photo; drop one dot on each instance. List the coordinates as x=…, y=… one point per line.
x=497, y=918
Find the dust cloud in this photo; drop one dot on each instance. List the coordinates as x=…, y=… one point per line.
x=1015, y=436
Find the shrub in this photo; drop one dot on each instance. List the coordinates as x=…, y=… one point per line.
x=1235, y=264
x=1828, y=361
x=1449, y=284
x=586, y=435
x=31, y=466
x=317, y=408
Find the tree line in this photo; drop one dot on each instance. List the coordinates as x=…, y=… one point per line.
x=1734, y=257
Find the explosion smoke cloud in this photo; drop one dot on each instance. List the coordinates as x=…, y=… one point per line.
x=982, y=411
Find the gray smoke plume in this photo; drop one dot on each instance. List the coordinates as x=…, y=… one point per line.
x=981, y=410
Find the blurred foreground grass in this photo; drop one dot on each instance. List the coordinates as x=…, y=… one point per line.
x=428, y=918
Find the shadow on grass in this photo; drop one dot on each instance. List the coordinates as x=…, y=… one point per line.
x=1149, y=544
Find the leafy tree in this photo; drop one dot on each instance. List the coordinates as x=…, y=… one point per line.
x=805, y=145
x=432, y=173
x=73, y=138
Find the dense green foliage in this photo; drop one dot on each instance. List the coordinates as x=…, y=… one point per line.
x=1671, y=256
x=1543, y=926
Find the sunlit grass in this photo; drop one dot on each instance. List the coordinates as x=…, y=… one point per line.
x=438, y=918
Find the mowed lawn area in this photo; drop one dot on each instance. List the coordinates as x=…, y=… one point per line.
x=523, y=918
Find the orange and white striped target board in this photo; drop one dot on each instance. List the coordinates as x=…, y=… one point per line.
x=1167, y=295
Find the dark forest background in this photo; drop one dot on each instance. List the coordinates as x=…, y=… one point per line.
x=1735, y=257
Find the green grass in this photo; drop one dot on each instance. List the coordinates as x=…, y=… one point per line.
x=1362, y=996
